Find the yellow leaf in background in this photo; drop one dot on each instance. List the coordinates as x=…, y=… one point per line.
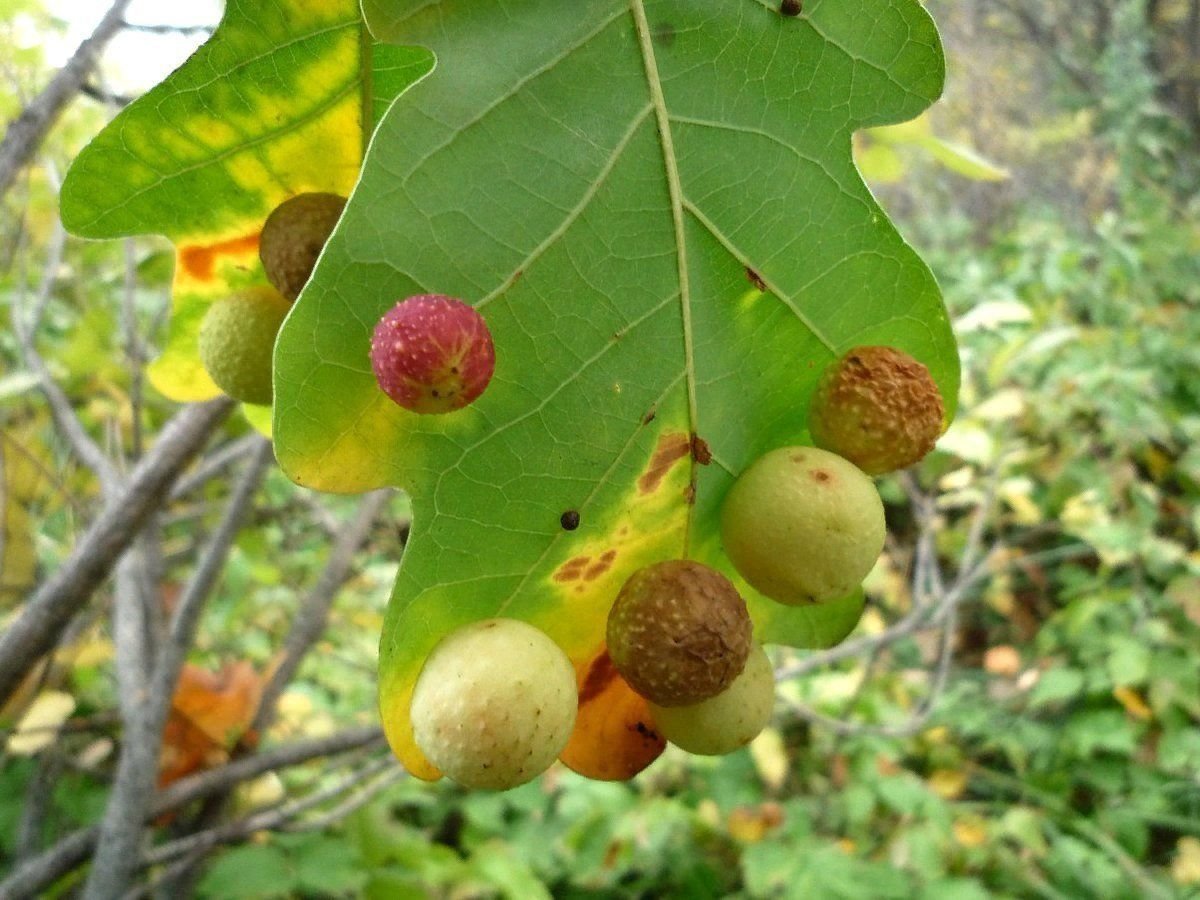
x=770, y=758
x=1003, y=660
x=1159, y=463
x=38, y=728
x=958, y=479
x=86, y=653
x=971, y=831
x=750, y=824
x=968, y=441
x=1133, y=703
x=20, y=482
x=709, y=813
x=1015, y=493
x=1085, y=509
x=266, y=790
x=1185, y=868
x=1001, y=406
x=948, y=784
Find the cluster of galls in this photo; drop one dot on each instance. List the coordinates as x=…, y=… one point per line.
x=800, y=525
x=237, y=333
x=431, y=354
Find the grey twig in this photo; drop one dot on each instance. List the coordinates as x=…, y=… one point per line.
x=214, y=464
x=307, y=628
x=313, y=613
x=131, y=630
x=168, y=29
x=60, y=596
x=263, y=821
x=115, y=861
x=68, y=424
x=38, y=794
x=135, y=353
x=26, y=132
x=32, y=877
x=355, y=801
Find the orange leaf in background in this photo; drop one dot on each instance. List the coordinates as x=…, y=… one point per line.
x=614, y=736
x=210, y=713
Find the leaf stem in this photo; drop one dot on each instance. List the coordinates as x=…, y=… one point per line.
x=676, y=194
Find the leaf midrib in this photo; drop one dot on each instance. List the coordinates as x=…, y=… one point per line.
x=675, y=192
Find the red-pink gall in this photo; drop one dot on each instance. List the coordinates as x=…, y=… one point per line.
x=432, y=354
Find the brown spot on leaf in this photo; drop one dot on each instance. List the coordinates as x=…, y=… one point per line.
x=756, y=279
x=200, y=261
x=600, y=566
x=649, y=417
x=671, y=448
x=700, y=451
x=572, y=569
x=689, y=495
x=821, y=476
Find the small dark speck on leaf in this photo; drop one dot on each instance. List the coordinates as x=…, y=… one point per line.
x=700, y=451
x=791, y=8
x=665, y=34
x=649, y=417
x=756, y=279
x=569, y=520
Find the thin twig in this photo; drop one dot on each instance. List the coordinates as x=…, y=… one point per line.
x=38, y=795
x=313, y=612
x=65, y=419
x=72, y=851
x=114, y=862
x=168, y=29
x=264, y=821
x=135, y=354
x=64, y=593
x=26, y=132
x=214, y=464
x=354, y=802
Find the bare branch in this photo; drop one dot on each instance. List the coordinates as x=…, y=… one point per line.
x=114, y=862
x=38, y=794
x=98, y=93
x=213, y=465
x=205, y=841
x=131, y=631
x=69, y=853
x=60, y=596
x=135, y=353
x=68, y=424
x=168, y=29
x=355, y=801
x=309, y=622
x=26, y=132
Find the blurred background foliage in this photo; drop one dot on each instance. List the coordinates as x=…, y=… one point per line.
x=1054, y=192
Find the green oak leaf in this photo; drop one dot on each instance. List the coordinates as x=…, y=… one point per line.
x=279, y=101
x=654, y=204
